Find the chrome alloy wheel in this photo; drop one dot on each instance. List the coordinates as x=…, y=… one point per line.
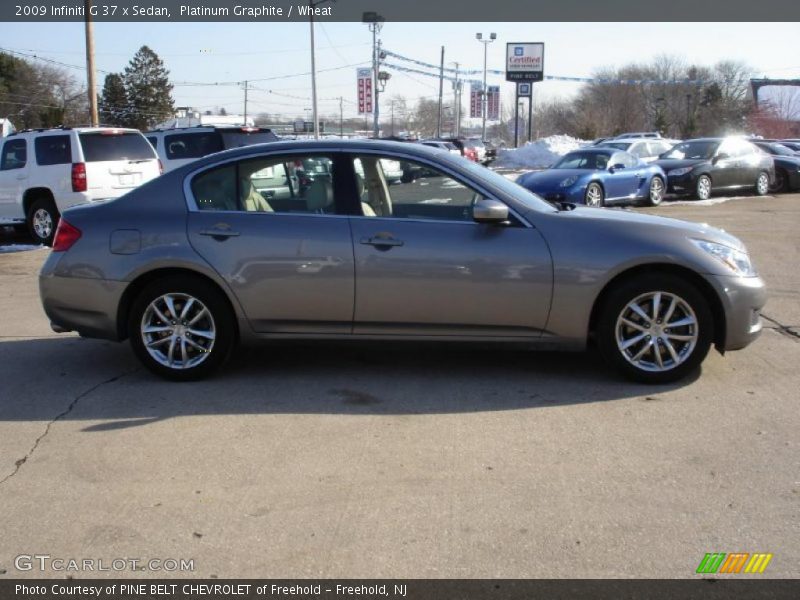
x=704, y=188
x=762, y=184
x=178, y=331
x=594, y=195
x=42, y=223
x=657, y=331
x=656, y=190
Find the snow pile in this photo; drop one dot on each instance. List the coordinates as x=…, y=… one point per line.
x=539, y=154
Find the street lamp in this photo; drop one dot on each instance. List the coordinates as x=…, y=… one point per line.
x=375, y=23
x=484, y=99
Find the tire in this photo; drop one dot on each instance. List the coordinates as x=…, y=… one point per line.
x=650, y=360
x=655, y=196
x=209, y=313
x=42, y=220
x=781, y=182
x=702, y=189
x=594, y=196
x=762, y=184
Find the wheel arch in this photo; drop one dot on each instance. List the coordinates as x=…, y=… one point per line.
x=702, y=285
x=143, y=280
x=33, y=194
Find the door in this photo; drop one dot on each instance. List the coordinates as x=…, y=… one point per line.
x=290, y=264
x=725, y=170
x=425, y=268
x=622, y=183
x=13, y=176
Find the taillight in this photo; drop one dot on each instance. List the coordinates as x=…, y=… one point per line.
x=160, y=167
x=66, y=235
x=79, y=177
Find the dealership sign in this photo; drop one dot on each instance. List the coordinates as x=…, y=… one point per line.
x=525, y=61
x=364, y=77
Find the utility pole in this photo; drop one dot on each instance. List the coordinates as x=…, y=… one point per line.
x=341, y=117
x=90, y=71
x=441, y=87
x=315, y=117
x=456, y=104
x=484, y=99
x=375, y=22
x=245, y=102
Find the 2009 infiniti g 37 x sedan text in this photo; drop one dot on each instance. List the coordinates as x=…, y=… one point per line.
x=308, y=240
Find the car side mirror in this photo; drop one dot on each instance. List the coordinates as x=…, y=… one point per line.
x=719, y=157
x=490, y=211
x=616, y=167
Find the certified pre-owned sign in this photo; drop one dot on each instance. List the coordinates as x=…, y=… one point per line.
x=525, y=61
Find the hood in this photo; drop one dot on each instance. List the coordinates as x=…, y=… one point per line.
x=674, y=163
x=634, y=219
x=550, y=178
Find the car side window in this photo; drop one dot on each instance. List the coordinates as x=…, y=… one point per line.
x=410, y=190
x=296, y=184
x=192, y=145
x=14, y=155
x=53, y=150
x=153, y=141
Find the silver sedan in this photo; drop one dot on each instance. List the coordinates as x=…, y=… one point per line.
x=307, y=240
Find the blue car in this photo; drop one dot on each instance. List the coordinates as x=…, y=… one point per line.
x=596, y=177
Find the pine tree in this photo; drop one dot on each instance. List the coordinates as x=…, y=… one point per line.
x=114, y=108
x=148, y=90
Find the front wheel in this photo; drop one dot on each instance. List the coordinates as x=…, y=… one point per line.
x=655, y=328
x=703, y=187
x=762, y=184
x=43, y=219
x=594, y=195
x=656, y=192
x=181, y=328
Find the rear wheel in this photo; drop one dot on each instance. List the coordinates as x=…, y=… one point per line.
x=656, y=192
x=656, y=328
x=762, y=184
x=703, y=187
x=43, y=219
x=181, y=328
x=594, y=195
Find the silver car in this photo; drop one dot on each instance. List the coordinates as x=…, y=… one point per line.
x=202, y=258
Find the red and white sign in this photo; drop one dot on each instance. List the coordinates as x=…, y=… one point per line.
x=475, y=101
x=364, y=77
x=493, y=106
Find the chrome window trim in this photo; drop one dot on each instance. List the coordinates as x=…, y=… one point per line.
x=191, y=204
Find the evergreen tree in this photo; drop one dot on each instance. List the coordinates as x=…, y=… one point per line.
x=148, y=90
x=114, y=108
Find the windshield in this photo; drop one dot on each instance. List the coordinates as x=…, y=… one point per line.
x=105, y=146
x=583, y=160
x=691, y=150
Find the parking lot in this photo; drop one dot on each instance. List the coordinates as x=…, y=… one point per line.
x=376, y=460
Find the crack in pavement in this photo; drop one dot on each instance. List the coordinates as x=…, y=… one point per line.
x=783, y=329
x=18, y=464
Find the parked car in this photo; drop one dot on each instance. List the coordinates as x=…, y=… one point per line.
x=787, y=165
x=792, y=145
x=180, y=146
x=191, y=263
x=702, y=166
x=45, y=171
x=638, y=134
x=446, y=145
x=598, y=176
x=645, y=149
x=478, y=146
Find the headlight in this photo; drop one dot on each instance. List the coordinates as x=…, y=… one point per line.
x=568, y=181
x=736, y=260
x=679, y=172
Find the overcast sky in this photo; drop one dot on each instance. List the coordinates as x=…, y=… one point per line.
x=229, y=52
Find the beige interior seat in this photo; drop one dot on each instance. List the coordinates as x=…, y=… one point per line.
x=252, y=200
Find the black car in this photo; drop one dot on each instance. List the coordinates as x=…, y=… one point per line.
x=787, y=165
x=791, y=145
x=701, y=166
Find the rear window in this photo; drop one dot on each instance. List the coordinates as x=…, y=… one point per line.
x=53, y=150
x=99, y=147
x=235, y=138
x=192, y=145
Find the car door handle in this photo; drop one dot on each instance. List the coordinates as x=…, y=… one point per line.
x=381, y=241
x=219, y=233
x=22, y=177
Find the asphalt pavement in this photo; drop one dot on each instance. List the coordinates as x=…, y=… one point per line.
x=405, y=460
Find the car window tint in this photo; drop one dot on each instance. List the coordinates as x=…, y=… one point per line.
x=53, y=150
x=109, y=146
x=192, y=145
x=215, y=189
x=153, y=141
x=296, y=184
x=15, y=155
x=410, y=190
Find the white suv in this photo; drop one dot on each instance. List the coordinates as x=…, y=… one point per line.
x=45, y=171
